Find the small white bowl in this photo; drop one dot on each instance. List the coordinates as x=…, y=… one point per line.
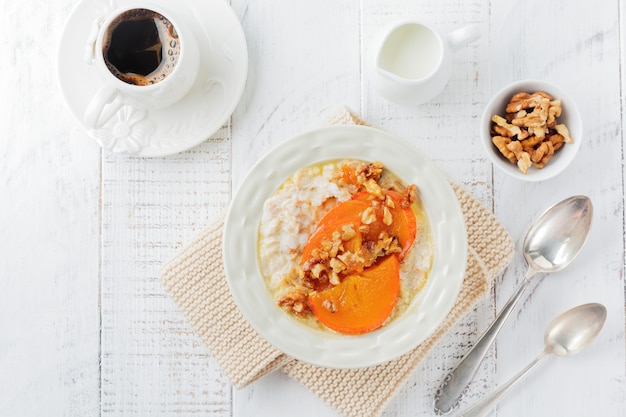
x=570, y=116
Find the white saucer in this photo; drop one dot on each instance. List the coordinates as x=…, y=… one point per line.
x=189, y=122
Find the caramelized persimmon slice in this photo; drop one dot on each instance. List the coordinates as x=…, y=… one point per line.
x=403, y=225
x=343, y=214
x=361, y=302
x=325, y=231
x=348, y=174
x=345, y=209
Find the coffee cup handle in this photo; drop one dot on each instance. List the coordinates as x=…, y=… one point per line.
x=102, y=107
x=463, y=36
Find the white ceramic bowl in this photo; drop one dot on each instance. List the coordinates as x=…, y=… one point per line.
x=570, y=117
x=325, y=348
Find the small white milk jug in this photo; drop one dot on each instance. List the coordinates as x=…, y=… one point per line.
x=411, y=61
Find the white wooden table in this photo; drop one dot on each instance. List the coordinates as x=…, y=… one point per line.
x=86, y=328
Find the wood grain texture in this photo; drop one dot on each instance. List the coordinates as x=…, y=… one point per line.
x=151, y=361
x=304, y=61
x=49, y=267
x=86, y=328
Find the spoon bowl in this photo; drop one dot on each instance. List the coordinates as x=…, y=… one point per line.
x=566, y=335
x=575, y=329
x=555, y=239
x=551, y=243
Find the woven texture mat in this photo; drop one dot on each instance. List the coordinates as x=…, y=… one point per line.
x=196, y=281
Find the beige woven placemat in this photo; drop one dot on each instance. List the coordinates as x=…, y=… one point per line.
x=195, y=279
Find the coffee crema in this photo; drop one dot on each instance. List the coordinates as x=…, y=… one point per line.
x=141, y=47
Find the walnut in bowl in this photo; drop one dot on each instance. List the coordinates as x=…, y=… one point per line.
x=531, y=130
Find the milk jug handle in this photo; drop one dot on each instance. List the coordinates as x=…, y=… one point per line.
x=460, y=37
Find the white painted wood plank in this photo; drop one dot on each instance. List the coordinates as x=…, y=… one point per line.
x=152, y=363
x=304, y=63
x=49, y=189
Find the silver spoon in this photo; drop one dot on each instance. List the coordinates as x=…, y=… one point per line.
x=551, y=243
x=566, y=335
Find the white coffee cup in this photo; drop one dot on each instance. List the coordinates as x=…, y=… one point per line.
x=411, y=61
x=159, y=89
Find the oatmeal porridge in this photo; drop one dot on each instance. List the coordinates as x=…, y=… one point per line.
x=344, y=245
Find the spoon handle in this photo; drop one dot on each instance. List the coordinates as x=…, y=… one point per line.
x=456, y=382
x=484, y=406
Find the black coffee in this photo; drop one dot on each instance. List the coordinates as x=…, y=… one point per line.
x=141, y=47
